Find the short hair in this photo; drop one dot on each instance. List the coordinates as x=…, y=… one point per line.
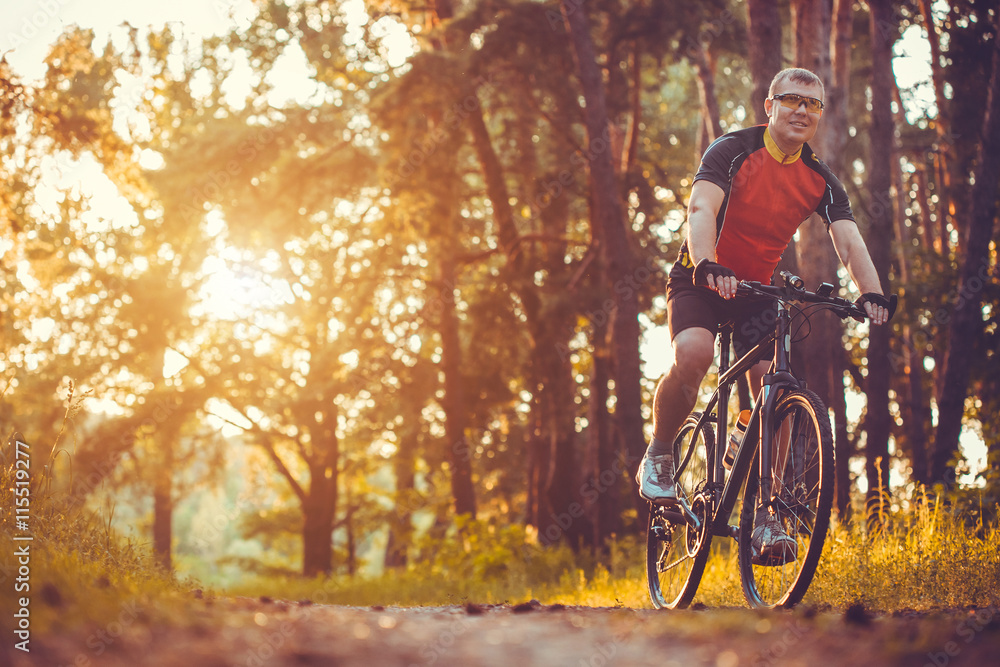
x=795, y=74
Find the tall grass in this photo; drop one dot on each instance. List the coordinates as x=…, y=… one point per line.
x=78, y=569
x=931, y=555
x=925, y=557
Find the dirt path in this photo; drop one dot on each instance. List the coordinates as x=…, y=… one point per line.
x=252, y=633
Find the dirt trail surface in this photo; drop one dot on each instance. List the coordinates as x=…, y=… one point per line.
x=256, y=632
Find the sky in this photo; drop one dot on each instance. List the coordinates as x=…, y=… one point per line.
x=30, y=26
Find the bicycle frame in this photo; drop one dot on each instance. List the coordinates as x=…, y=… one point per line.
x=780, y=376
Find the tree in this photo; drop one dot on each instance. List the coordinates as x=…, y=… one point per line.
x=608, y=220
x=880, y=234
x=764, y=31
x=966, y=322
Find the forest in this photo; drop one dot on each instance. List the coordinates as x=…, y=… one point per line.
x=316, y=294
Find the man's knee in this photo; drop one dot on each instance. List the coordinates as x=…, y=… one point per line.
x=757, y=372
x=694, y=351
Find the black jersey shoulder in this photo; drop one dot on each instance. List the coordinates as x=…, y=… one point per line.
x=726, y=155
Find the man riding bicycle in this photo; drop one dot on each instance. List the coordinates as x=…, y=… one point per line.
x=753, y=190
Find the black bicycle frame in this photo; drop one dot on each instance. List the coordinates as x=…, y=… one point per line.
x=779, y=377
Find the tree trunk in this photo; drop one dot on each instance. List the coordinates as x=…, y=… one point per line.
x=553, y=410
x=878, y=419
x=943, y=155
x=838, y=93
x=459, y=454
x=764, y=31
x=907, y=364
x=608, y=215
x=965, y=326
x=820, y=353
x=319, y=504
x=606, y=511
x=164, y=441
x=317, y=523
x=710, y=125
x=401, y=528
x=163, y=509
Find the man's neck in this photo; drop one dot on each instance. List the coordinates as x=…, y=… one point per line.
x=783, y=154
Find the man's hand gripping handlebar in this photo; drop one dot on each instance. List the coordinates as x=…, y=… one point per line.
x=791, y=289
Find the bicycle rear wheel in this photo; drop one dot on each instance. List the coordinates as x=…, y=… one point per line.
x=676, y=550
x=801, y=498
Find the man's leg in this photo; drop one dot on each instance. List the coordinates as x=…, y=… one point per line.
x=676, y=394
x=677, y=391
x=769, y=541
x=779, y=451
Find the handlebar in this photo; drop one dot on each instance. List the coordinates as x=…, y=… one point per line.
x=792, y=290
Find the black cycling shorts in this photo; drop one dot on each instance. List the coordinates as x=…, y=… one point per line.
x=694, y=306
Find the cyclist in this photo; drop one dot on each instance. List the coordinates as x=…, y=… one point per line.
x=752, y=191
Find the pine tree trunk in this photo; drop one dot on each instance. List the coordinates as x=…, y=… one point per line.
x=459, y=453
x=710, y=126
x=401, y=529
x=820, y=354
x=764, y=32
x=608, y=216
x=163, y=509
x=878, y=419
x=606, y=511
x=965, y=326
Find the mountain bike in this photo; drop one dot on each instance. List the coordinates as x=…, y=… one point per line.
x=788, y=437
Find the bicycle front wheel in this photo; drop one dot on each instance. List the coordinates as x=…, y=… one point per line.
x=676, y=549
x=801, y=497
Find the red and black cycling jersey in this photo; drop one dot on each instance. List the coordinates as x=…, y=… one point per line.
x=767, y=196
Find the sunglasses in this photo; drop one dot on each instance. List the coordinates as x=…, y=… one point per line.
x=792, y=101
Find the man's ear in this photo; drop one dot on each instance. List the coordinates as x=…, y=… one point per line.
x=768, y=105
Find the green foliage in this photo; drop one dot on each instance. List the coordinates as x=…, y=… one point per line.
x=80, y=570
x=925, y=557
x=331, y=220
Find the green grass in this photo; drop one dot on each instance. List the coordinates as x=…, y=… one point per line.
x=79, y=569
x=925, y=557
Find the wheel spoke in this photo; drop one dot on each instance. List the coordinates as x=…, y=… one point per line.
x=676, y=553
x=802, y=496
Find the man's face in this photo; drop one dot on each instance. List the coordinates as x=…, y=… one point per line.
x=790, y=128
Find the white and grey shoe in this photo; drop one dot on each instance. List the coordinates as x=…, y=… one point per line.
x=770, y=545
x=655, y=478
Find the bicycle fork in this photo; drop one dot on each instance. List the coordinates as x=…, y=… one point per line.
x=760, y=430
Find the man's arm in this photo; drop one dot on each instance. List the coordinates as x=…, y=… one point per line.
x=853, y=253
x=703, y=210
